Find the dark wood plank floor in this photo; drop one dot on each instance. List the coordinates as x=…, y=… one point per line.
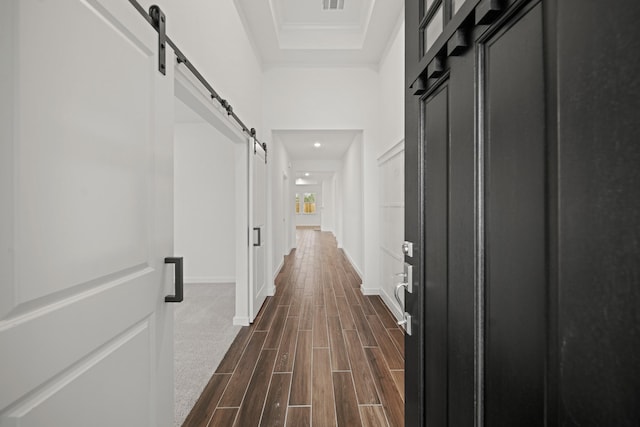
x=319, y=353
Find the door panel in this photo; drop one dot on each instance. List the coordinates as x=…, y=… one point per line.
x=110, y=368
x=84, y=328
x=462, y=227
x=57, y=126
x=258, y=219
x=436, y=137
x=515, y=223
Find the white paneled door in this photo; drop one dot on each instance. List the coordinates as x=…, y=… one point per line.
x=86, y=199
x=257, y=222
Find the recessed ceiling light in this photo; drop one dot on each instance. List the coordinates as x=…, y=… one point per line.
x=306, y=174
x=332, y=4
x=317, y=144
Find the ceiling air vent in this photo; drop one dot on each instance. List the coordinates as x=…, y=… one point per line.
x=333, y=4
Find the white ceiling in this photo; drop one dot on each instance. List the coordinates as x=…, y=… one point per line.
x=300, y=32
x=299, y=143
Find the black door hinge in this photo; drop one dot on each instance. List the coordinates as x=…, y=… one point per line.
x=159, y=22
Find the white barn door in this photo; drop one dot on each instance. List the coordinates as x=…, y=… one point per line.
x=86, y=200
x=257, y=226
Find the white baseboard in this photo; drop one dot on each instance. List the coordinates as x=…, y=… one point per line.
x=369, y=291
x=271, y=290
x=277, y=270
x=241, y=320
x=391, y=304
x=209, y=279
x=353, y=264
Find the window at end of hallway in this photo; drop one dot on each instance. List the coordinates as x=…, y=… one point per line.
x=308, y=203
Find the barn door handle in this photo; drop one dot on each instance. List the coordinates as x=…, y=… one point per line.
x=179, y=279
x=259, y=230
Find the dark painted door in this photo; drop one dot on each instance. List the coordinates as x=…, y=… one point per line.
x=597, y=265
x=523, y=203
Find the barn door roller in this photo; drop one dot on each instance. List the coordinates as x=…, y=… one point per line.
x=159, y=22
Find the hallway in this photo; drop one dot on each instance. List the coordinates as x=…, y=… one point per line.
x=319, y=353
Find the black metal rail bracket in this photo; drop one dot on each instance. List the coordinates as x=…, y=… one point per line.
x=159, y=23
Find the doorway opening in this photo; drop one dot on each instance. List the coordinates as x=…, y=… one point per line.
x=204, y=234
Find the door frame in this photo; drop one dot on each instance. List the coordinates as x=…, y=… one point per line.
x=190, y=91
x=286, y=214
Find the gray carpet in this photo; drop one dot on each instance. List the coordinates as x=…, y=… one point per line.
x=203, y=332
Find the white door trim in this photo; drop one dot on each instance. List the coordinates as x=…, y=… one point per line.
x=190, y=91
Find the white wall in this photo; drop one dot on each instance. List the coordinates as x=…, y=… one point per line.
x=391, y=168
x=204, y=204
x=352, y=204
x=339, y=217
x=280, y=213
x=391, y=172
x=328, y=205
x=392, y=93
